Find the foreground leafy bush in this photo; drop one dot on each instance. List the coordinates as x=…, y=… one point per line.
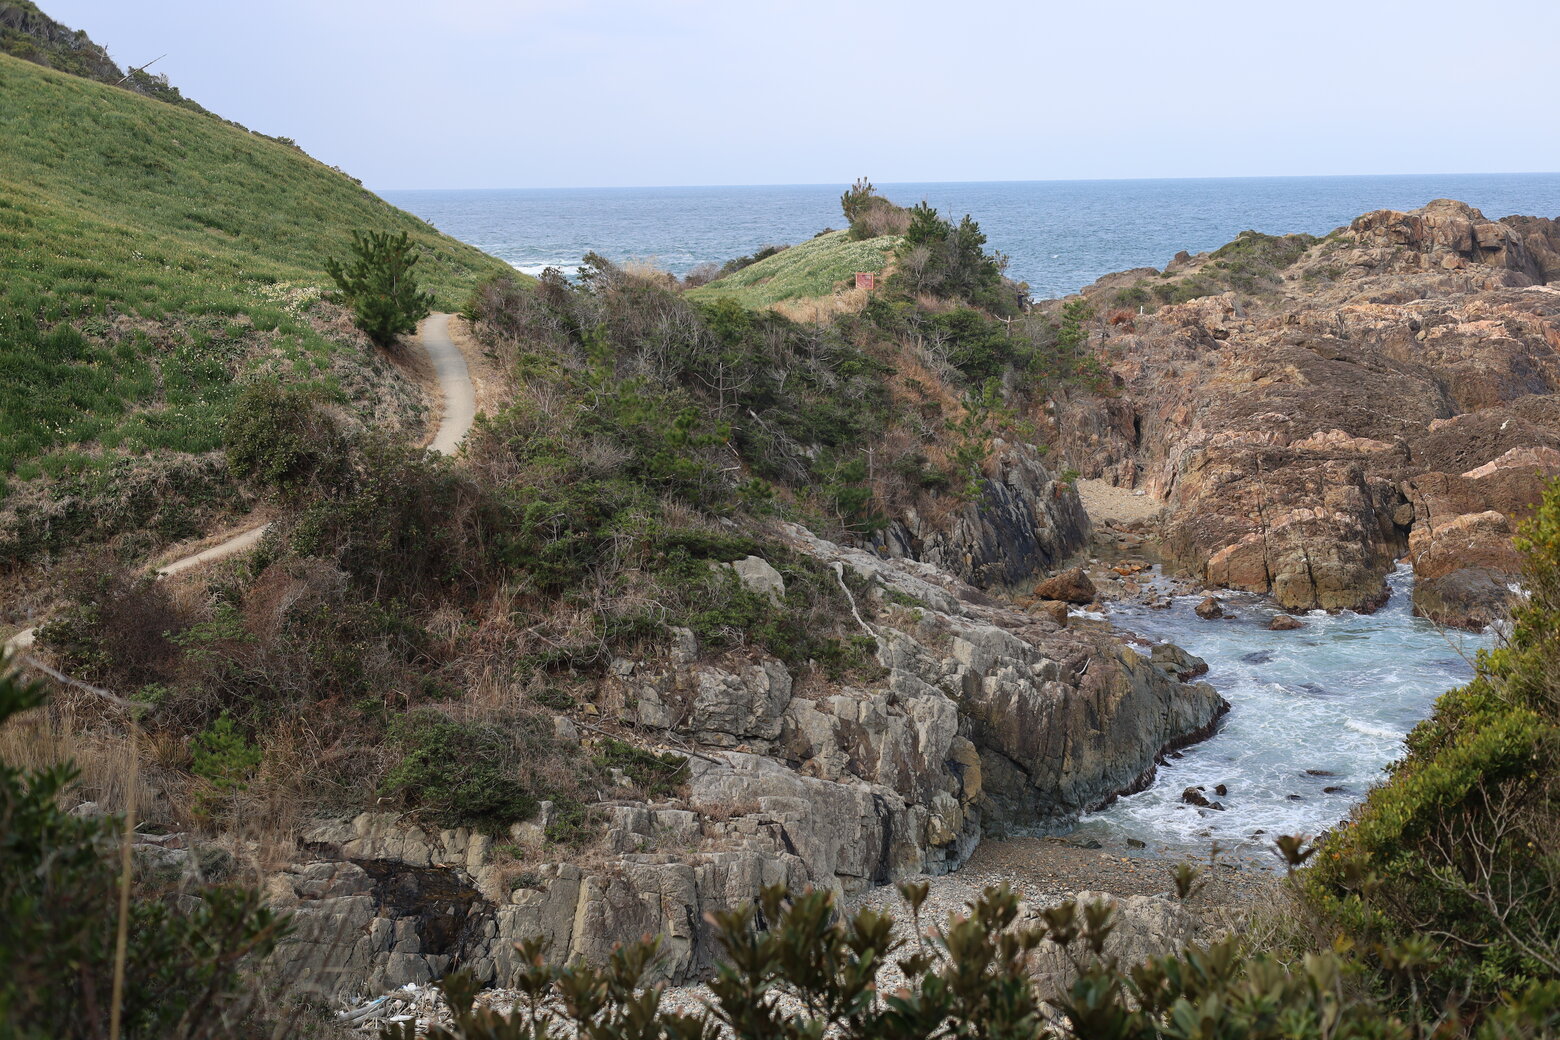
x=186, y=951
x=1462, y=843
x=965, y=980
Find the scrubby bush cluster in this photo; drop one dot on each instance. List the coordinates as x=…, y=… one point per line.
x=870, y=215
x=1252, y=263
x=1462, y=843
x=949, y=260
x=795, y=969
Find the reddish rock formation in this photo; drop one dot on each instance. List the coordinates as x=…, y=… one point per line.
x=1321, y=408
x=1070, y=586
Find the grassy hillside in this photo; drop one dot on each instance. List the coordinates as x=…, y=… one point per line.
x=812, y=268
x=28, y=33
x=151, y=257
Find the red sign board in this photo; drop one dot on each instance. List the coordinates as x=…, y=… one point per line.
x=866, y=280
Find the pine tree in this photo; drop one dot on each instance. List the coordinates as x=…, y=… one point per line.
x=377, y=284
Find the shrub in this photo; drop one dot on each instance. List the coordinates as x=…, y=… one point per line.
x=116, y=629
x=282, y=437
x=948, y=260
x=224, y=757
x=795, y=969
x=658, y=776
x=377, y=283
x=979, y=347
x=1463, y=840
x=187, y=952
x=870, y=214
x=465, y=773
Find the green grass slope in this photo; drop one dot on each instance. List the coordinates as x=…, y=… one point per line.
x=150, y=258
x=811, y=268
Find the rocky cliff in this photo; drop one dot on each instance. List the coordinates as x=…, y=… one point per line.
x=1022, y=523
x=984, y=718
x=1310, y=411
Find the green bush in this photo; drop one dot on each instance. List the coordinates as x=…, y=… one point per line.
x=378, y=284
x=1462, y=842
x=282, y=437
x=949, y=260
x=658, y=776
x=466, y=774
x=188, y=951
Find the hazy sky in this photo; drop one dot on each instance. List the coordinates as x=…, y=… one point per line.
x=521, y=93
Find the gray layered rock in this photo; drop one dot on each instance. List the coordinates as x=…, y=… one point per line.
x=984, y=717
x=1023, y=523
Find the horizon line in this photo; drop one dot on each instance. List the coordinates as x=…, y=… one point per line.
x=1038, y=180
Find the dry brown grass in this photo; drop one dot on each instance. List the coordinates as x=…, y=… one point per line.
x=817, y=310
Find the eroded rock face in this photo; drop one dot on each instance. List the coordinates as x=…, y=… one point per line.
x=1402, y=372
x=1024, y=523
x=985, y=718
x=1465, y=562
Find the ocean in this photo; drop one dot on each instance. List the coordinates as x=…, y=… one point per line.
x=1058, y=235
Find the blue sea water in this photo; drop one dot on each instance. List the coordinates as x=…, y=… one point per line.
x=1059, y=235
x=1315, y=716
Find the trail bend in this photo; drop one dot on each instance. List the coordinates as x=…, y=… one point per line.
x=460, y=411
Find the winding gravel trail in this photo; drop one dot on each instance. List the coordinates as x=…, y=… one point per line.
x=460, y=410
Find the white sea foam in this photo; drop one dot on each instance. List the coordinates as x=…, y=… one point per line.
x=1374, y=731
x=1316, y=715
x=568, y=267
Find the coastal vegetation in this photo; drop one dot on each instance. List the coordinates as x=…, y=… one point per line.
x=818, y=267
x=681, y=500
x=378, y=284
x=1460, y=849
x=153, y=261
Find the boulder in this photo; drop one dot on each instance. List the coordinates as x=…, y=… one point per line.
x=1473, y=598
x=1210, y=608
x=1178, y=662
x=1284, y=623
x=758, y=576
x=1070, y=586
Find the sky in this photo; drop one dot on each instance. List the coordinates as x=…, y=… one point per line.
x=583, y=93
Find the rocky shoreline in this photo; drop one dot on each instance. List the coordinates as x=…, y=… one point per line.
x=1386, y=393
x=1309, y=411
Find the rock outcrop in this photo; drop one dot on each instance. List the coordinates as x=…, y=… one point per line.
x=984, y=718
x=1022, y=524
x=1359, y=398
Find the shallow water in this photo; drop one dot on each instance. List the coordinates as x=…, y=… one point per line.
x=1315, y=716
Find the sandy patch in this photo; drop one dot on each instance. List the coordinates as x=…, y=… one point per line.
x=1106, y=503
